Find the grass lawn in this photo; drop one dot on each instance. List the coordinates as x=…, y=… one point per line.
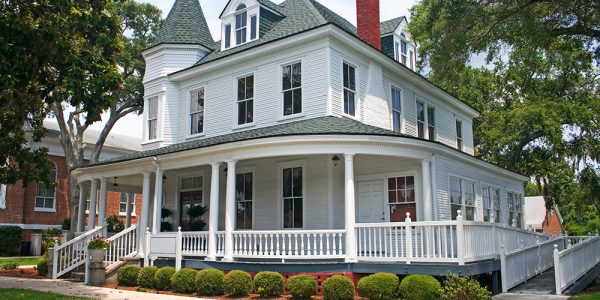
x=21, y=261
x=588, y=296
x=19, y=294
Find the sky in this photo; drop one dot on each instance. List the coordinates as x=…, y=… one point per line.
x=131, y=125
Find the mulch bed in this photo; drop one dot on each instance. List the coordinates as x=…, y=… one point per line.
x=21, y=273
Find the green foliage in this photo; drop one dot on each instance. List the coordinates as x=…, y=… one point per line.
x=209, y=282
x=302, y=287
x=162, y=278
x=66, y=225
x=183, y=281
x=237, y=283
x=420, y=287
x=381, y=286
x=10, y=240
x=269, y=284
x=98, y=243
x=24, y=294
x=463, y=288
x=338, y=287
x=9, y=266
x=196, y=223
x=128, y=275
x=42, y=267
x=146, y=277
x=114, y=224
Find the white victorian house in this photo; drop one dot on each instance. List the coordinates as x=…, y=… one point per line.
x=306, y=141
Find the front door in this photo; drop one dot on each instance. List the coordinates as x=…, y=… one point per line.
x=188, y=200
x=370, y=202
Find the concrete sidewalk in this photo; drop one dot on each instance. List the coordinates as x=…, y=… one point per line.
x=80, y=290
x=510, y=296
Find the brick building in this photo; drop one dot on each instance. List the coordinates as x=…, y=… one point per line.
x=540, y=219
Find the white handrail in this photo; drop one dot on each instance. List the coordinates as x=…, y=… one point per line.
x=72, y=254
x=572, y=263
x=122, y=244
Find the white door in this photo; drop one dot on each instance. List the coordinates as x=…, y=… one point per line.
x=370, y=202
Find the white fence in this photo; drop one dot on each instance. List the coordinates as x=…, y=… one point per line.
x=194, y=243
x=122, y=244
x=572, y=263
x=73, y=253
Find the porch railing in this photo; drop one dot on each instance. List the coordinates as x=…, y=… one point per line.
x=194, y=243
x=123, y=244
x=73, y=253
x=572, y=263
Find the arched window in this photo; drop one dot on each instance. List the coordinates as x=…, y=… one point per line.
x=45, y=197
x=240, y=7
x=241, y=21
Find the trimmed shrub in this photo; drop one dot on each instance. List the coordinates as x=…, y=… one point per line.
x=162, y=278
x=183, y=281
x=9, y=266
x=420, y=287
x=269, y=284
x=463, y=288
x=338, y=287
x=237, y=283
x=127, y=275
x=10, y=240
x=209, y=282
x=42, y=267
x=302, y=287
x=379, y=286
x=146, y=277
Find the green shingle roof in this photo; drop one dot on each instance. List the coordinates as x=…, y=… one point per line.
x=185, y=24
x=390, y=26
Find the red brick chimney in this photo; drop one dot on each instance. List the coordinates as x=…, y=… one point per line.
x=367, y=19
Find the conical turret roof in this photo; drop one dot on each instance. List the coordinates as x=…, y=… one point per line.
x=185, y=24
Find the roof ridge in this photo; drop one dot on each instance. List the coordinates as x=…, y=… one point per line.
x=315, y=11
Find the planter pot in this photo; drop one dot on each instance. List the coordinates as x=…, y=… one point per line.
x=97, y=255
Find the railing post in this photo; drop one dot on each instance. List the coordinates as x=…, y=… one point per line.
x=409, y=240
x=147, y=250
x=503, y=269
x=460, y=238
x=54, y=259
x=178, y=249
x=557, y=270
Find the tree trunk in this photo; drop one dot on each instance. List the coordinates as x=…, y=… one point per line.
x=74, y=187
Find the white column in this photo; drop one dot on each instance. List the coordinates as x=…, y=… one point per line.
x=102, y=204
x=144, y=214
x=128, y=209
x=213, y=211
x=157, y=201
x=229, y=211
x=427, y=199
x=349, y=204
x=93, y=203
x=81, y=212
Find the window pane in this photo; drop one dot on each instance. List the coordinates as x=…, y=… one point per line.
x=392, y=183
x=431, y=122
x=248, y=186
x=297, y=182
x=352, y=79
x=242, y=112
x=241, y=89
x=392, y=196
x=288, y=108
x=298, y=222
x=250, y=87
x=287, y=183
x=420, y=111
x=239, y=187
x=297, y=75
x=253, y=27
x=297, y=101
x=288, y=213
x=287, y=77
x=227, y=36
x=249, y=111
x=397, y=124
x=396, y=100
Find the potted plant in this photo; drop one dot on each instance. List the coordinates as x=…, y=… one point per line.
x=97, y=249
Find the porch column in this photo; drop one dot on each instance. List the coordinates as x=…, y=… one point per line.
x=213, y=211
x=157, y=201
x=229, y=211
x=142, y=219
x=349, y=204
x=93, y=203
x=128, y=209
x=427, y=197
x=102, y=213
x=81, y=212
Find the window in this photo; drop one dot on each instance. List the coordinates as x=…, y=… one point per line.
x=425, y=121
x=397, y=109
x=459, y=136
x=403, y=53
x=197, y=111
x=2, y=196
x=401, y=198
x=411, y=60
x=292, y=89
x=88, y=195
x=349, y=90
x=420, y=119
x=491, y=204
x=431, y=122
x=515, y=209
x=241, y=20
x=292, y=198
x=397, y=51
x=227, y=36
x=245, y=98
x=153, y=118
x=45, y=195
x=462, y=197
x=253, y=27
x=243, y=200
x=190, y=195
x=123, y=204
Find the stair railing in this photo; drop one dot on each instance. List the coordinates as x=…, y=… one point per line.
x=121, y=245
x=73, y=253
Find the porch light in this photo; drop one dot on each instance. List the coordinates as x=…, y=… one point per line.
x=335, y=160
x=115, y=184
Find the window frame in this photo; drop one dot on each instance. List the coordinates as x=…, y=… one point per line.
x=393, y=110
x=280, y=200
x=282, y=115
x=430, y=116
x=243, y=25
x=133, y=204
x=156, y=119
x=240, y=171
x=37, y=190
x=463, y=192
x=190, y=114
x=403, y=51
x=177, y=214
x=227, y=35
x=416, y=194
x=229, y=26
x=355, y=91
x=238, y=101
x=3, y=191
x=519, y=213
x=492, y=206
x=460, y=143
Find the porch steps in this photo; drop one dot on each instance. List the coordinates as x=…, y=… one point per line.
x=111, y=272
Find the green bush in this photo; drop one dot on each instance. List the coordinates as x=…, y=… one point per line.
x=127, y=275
x=183, y=281
x=302, y=287
x=209, y=282
x=146, y=277
x=42, y=267
x=269, y=284
x=338, y=287
x=380, y=286
x=9, y=266
x=10, y=240
x=162, y=278
x=463, y=288
x=237, y=283
x=419, y=287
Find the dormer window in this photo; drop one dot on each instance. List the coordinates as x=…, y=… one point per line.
x=241, y=20
x=241, y=26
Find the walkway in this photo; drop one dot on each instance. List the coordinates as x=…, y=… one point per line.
x=80, y=290
x=542, y=284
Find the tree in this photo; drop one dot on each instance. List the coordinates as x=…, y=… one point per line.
x=53, y=51
x=138, y=24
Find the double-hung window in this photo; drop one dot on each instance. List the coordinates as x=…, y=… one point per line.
x=2, y=196
x=245, y=100
x=515, y=209
x=459, y=135
x=403, y=52
x=45, y=196
x=462, y=197
x=397, y=51
x=397, y=109
x=491, y=204
x=123, y=199
x=253, y=27
x=425, y=121
x=241, y=20
x=243, y=200
x=197, y=111
x=292, y=89
x=293, y=214
x=431, y=122
x=411, y=59
x=153, y=118
x=401, y=198
x=349, y=90
x=227, y=36
x=421, y=119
